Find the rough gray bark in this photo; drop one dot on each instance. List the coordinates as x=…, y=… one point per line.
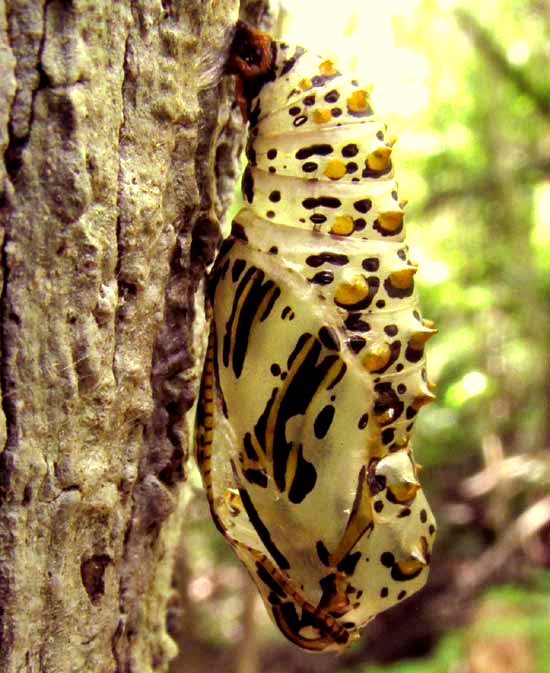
x=119, y=159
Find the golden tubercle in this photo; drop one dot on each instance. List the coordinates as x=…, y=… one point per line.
x=353, y=292
x=410, y=567
x=343, y=225
x=358, y=101
x=379, y=159
x=391, y=140
x=405, y=491
x=403, y=203
x=327, y=68
x=403, y=278
x=321, y=115
x=335, y=169
x=305, y=84
x=391, y=220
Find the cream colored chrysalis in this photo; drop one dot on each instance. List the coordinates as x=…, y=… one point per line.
x=315, y=368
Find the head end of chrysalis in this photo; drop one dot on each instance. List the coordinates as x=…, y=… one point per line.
x=250, y=52
x=252, y=59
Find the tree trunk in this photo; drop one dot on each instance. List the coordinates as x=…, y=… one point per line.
x=120, y=157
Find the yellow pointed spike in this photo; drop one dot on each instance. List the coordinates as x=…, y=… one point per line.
x=403, y=203
x=379, y=159
x=432, y=387
x=428, y=323
x=419, y=339
x=403, y=278
x=418, y=554
x=422, y=400
x=391, y=140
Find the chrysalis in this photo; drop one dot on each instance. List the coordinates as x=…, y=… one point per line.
x=315, y=368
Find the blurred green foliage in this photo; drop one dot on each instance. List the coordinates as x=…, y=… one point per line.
x=485, y=212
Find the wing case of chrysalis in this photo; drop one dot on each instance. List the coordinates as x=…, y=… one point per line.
x=315, y=368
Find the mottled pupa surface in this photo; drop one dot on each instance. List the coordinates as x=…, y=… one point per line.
x=316, y=370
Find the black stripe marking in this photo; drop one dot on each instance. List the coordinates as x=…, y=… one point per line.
x=263, y=532
x=329, y=338
x=238, y=268
x=348, y=563
x=304, y=478
x=253, y=290
x=257, y=477
x=268, y=580
x=303, y=382
x=322, y=553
